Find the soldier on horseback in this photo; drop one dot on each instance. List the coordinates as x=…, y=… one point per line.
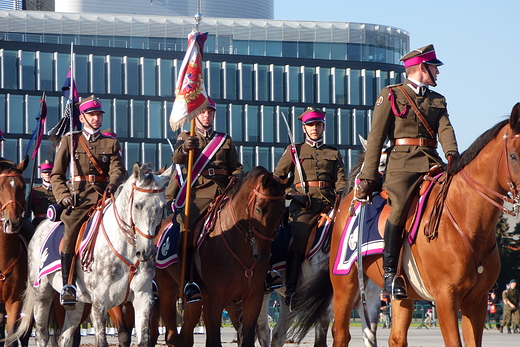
x=41, y=196
x=98, y=167
x=319, y=175
x=221, y=163
x=411, y=116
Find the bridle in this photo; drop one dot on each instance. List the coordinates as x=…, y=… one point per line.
x=12, y=201
x=512, y=197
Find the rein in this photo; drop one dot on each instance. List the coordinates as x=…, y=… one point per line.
x=129, y=230
x=248, y=271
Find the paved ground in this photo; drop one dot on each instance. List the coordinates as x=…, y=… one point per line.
x=417, y=338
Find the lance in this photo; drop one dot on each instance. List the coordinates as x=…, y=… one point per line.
x=71, y=124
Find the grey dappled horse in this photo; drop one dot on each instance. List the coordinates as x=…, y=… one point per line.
x=140, y=201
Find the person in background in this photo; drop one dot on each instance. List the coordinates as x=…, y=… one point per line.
x=41, y=195
x=511, y=299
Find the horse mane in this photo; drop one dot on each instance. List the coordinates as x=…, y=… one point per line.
x=468, y=155
x=7, y=167
x=251, y=174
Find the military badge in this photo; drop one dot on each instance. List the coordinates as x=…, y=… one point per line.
x=379, y=101
x=104, y=159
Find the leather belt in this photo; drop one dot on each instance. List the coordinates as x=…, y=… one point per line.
x=319, y=184
x=40, y=215
x=213, y=172
x=421, y=141
x=90, y=178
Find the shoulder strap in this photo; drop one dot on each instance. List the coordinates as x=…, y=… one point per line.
x=418, y=113
x=90, y=156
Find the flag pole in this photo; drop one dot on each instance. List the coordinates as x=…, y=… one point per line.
x=189, y=180
x=71, y=123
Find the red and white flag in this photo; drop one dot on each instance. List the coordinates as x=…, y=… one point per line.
x=191, y=97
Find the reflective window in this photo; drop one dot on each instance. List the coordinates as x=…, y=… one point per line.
x=252, y=117
x=360, y=125
x=246, y=156
x=370, y=87
x=138, y=118
x=292, y=86
x=147, y=76
x=340, y=86
x=114, y=78
x=165, y=154
x=354, y=51
x=305, y=50
x=3, y=109
x=236, y=123
x=166, y=75
x=63, y=65
x=122, y=118
x=338, y=51
x=108, y=116
x=308, y=85
x=45, y=71
x=81, y=74
x=53, y=112
x=131, y=153
x=298, y=134
x=230, y=80
x=278, y=151
x=246, y=82
x=355, y=87
x=290, y=49
x=323, y=88
x=240, y=47
x=28, y=67
x=276, y=83
x=9, y=69
x=97, y=74
x=156, y=119
x=268, y=125
x=344, y=135
x=261, y=85
x=257, y=47
x=131, y=75
x=322, y=50
x=10, y=149
x=33, y=110
x=282, y=134
x=273, y=48
x=150, y=155
x=222, y=118
x=213, y=80
x=15, y=112
x=263, y=156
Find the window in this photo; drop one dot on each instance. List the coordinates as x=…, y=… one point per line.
x=260, y=83
x=97, y=74
x=28, y=70
x=9, y=64
x=230, y=80
x=289, y=49
x=138, y=118
x=252, y=117
x=245, y=83
x=114, y=76
x=147, y=76
x=156, y=120
x=121, y=118
x=45, y=64
x=131, y=75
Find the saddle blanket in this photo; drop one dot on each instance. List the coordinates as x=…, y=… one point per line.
x=50, y=261
x=167, y=246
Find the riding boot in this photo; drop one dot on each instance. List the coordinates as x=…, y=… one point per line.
x=394, y=285
x=272, y=281
x=192, y=291
x=68, y=293
x=293, y=267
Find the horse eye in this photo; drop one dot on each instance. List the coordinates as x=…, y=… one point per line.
x=258, y=210
x=513, y=157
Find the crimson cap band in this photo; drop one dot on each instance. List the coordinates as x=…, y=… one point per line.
x=312, y=115
x=212, y=103
x=2, y=138
x=90, y=104
x=46, y=166
x=424, y=54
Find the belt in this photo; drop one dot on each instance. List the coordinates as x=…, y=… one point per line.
x=40, y=215
x=421, y=141
x=319, y=184
x=213, y=172
x=90, y=178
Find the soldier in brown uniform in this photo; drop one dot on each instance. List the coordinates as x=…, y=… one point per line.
x=323, y=172
x=211, y=181
x=42, y=196
x=104, y=172
x=397, y=116
x=511, y=299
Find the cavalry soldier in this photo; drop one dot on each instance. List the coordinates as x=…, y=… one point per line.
x=209, y=182
x=319, y=174
x=98, y=167
x=411, y=116
x=41, y=196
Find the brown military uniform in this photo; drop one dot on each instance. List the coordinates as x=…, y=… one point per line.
x=107, y=152
x=320, y=163
x=511, y=315
x=225, y=163
x=406, y=163
x=40, y=199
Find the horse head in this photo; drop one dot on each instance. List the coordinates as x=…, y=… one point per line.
x=12, y=196
x=510, y=172
x=141, y=202
x=265, y=206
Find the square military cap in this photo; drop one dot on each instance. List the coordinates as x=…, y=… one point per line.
x=424, y=54
x=312, y=115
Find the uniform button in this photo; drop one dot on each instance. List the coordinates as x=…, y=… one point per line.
x=420, y=124
x=317, y=168
x=421, y=108
x=90, y=148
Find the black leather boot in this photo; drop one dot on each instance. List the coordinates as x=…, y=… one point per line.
x=293, y=267
x=273, y=281
x=192, y=291
x=68, y=293
x=394, y=285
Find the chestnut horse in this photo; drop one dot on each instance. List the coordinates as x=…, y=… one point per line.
x=13, y=252
x=458, y=262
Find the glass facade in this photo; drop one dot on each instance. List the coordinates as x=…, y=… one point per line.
x=252, y=81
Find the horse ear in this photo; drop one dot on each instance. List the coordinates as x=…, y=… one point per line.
x=267, y=179
x=363, y=142
x=167, y=173
x=514, y=120
x=23, y=164
x=137, y=171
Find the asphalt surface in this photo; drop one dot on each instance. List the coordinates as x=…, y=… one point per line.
x=424, y=337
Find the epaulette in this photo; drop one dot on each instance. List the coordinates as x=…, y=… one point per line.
x=74, y=132
x=108, y=136
x=394, y=85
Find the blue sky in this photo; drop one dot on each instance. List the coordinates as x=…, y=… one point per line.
x=478, y=41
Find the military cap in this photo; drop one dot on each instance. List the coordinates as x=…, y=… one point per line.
x=424, y=54
x=90, y=104
x=46, y=166
x=512, y=281
x=2, y=138
x=312, y=115
x=212, y=104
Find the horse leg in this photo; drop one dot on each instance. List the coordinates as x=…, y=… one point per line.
x=191, y=318
x=401, y=320
x=262, y=325
x=473, y=320
x=43, y=298
x=99, y=321
x=154, y=322
x=117, y=316
x=321, y=329
x=285, y=320
x=143, y=314
x=70, y=325
x=373, y=307
x=167, y=291
x=345, y=291
x=251, y=309
x=212, y=318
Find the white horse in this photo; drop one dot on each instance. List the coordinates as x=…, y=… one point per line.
x=310, y=267
x=122, y=269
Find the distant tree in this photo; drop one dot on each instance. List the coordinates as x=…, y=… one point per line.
x=509, y=247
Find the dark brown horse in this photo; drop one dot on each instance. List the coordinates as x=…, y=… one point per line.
x=13, y=253
x=458, y=262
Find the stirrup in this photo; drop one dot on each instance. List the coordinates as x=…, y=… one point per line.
x=401, y=288
x=68, y=297
x=273, y=281
x=192, y=292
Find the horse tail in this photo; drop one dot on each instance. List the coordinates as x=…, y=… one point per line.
x=26, y=319
x=313, y=302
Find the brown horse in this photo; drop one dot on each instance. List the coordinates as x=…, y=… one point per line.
x=458, y=262
x=13, y=253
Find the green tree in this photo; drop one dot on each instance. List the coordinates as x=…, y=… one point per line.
x=508, y=242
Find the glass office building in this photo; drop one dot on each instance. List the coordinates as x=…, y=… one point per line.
x=255, y=70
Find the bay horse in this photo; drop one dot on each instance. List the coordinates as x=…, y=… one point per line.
x=233, y=259
x=458, y=262
x=13, y=253
x=121, y=269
